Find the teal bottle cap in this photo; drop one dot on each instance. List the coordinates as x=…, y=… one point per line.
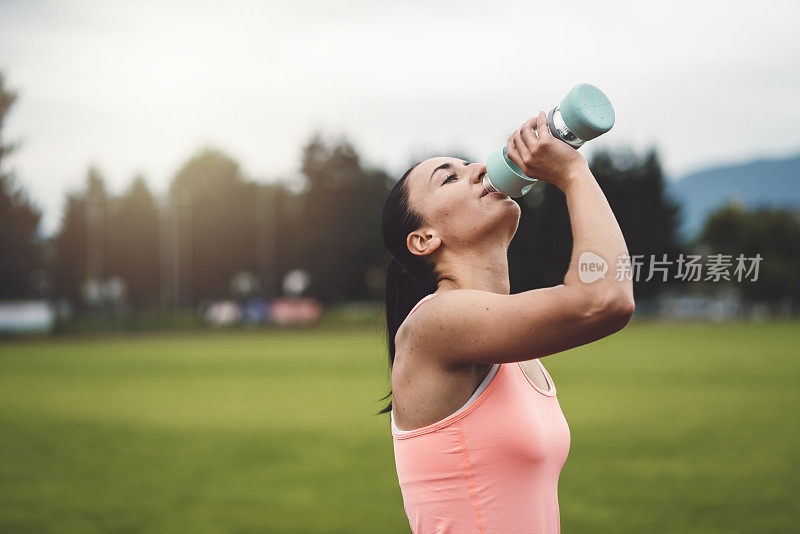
x=587, y=112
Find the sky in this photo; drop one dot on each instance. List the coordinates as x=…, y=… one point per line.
x=139, y=87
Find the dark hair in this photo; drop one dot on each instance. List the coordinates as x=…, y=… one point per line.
x=408, y=277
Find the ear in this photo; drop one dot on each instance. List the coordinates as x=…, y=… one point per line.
x=423, y=242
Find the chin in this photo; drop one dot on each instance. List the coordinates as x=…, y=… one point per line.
x=514, y=207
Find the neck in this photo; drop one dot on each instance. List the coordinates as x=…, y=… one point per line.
x=485, y=269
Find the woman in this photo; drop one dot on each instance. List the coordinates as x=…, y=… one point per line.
x=479, y=437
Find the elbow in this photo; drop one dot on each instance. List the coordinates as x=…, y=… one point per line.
x=614, y=310
x=620, y=312
x=624, y=306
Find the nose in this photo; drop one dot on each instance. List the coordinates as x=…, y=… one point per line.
x=477, y=170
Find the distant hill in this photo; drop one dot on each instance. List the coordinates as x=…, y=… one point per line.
x=763, y=182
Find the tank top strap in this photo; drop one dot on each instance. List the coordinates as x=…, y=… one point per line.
x=423, y=299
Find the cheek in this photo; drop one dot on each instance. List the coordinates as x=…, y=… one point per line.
x=456, y=213
x=459, y=219
x=454, y=209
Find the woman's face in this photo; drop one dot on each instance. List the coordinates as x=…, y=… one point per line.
x=449, y=194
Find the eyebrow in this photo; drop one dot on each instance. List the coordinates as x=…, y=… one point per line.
x=444, y=166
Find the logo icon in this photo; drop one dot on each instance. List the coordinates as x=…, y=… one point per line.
x=591, y=267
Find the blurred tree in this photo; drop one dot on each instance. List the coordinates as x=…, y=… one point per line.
x=338, y=228
x=771, y=232
x=277, y=215
x=81, y=245
x=132, y=246
x=648, y=218
x=20, y=247
x=214, y=226
x=69, y=262
x=540, y=253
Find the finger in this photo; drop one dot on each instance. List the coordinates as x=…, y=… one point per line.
x=541, y=125
x=513, y=153
x=529, y=124
x=522, y=146
x=510, y=137
x=528, y=134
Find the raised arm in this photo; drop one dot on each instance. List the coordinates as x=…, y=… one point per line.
x=468, y=326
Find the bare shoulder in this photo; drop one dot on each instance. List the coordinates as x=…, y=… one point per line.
x=424, y=331
x=441, y=303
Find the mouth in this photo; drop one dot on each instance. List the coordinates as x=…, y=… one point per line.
x=486, y=192
x=488, y=189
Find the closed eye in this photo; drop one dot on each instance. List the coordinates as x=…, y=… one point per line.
x=449, y=178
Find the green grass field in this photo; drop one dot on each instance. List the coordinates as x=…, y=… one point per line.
x=675, y=428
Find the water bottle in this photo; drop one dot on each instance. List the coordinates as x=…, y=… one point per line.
x=585, y=113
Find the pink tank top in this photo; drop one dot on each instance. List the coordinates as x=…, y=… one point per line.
x=491, y=467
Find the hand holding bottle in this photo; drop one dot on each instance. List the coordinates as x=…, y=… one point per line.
x=541, y=156
x=513, y=169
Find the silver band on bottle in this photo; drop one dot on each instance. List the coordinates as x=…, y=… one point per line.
x=559, y=128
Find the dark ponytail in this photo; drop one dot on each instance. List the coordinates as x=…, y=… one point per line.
x=408, y=277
